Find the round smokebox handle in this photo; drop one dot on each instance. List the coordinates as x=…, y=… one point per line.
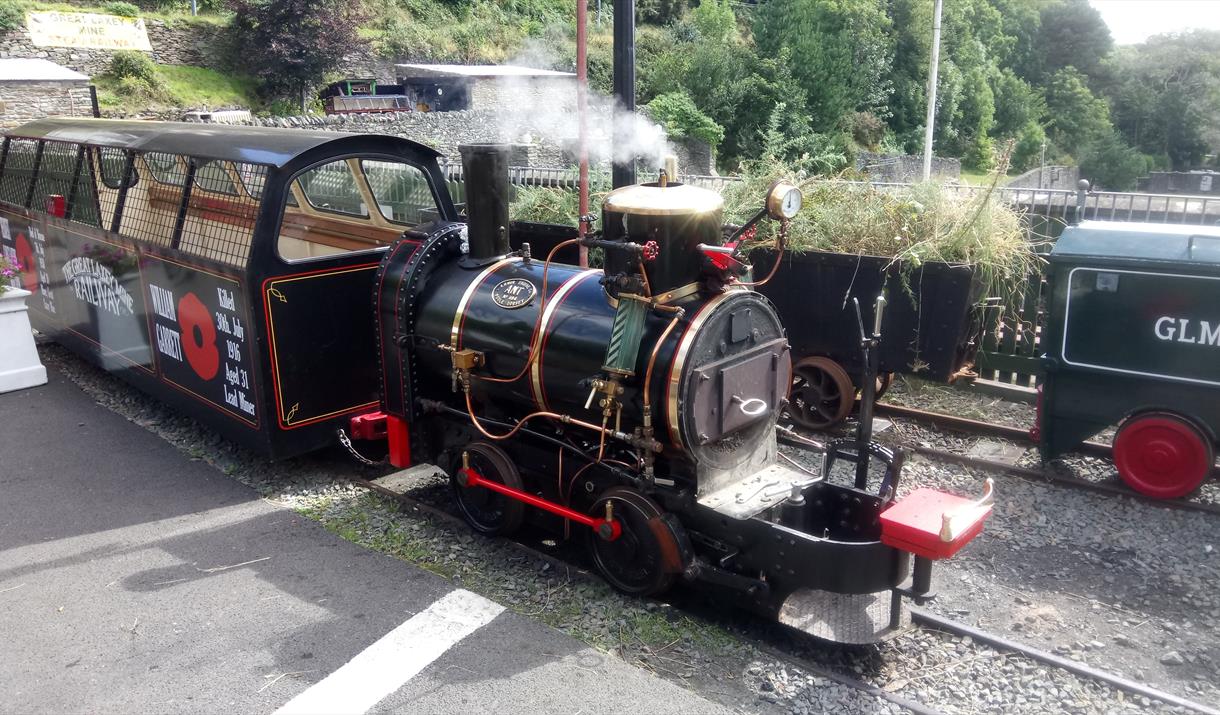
x=752, y=407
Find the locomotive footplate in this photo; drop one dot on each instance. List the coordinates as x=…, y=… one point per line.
x=760, y=491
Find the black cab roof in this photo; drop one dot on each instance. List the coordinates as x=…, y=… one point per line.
x=272, y=146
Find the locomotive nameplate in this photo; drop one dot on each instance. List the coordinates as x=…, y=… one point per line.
x=513, y=293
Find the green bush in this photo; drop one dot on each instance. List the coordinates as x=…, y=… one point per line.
x=677, y=112
x=1111, y=164
x=12, y=15
x=133, y=64
x=866, y=129
x=1027, y=153
x=122, y=9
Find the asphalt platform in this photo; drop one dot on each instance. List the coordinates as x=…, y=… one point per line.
x=133, y=579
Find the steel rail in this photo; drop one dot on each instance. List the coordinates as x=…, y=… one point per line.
x=965, y=424
x=928, y=619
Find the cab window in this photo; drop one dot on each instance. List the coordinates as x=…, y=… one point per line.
x=402, y=192
x=18, y=171
x=111, y=163
x=349, y=205
x=333, y=187
x=212, y=176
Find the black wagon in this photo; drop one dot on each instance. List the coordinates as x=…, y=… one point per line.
x=931, y=326
x=1133, y=339
x=227, y=270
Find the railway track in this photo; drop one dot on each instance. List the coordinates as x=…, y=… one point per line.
x=977, y=427
x=921, y=617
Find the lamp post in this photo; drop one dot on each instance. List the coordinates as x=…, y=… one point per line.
x=1042, y=164
x=933, y=67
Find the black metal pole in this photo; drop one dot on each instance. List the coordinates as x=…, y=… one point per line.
x=624, y=85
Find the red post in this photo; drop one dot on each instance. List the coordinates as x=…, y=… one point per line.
x=582, y=110
x=399, y=436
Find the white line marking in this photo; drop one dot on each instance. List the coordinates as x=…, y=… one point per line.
x=398, y=656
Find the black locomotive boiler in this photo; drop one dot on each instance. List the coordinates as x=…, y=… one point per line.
x=641, y=402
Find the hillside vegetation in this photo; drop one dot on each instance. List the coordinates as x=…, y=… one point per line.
x=812, y=80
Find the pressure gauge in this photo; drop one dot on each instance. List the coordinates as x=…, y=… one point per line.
x=784, y=201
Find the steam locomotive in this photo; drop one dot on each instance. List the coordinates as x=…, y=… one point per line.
x=635, y=406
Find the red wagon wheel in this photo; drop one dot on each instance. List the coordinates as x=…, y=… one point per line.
x=1162, y=455
x=821, y=394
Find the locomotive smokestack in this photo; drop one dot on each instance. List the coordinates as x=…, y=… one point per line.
x=623, y=173
x=485, y=167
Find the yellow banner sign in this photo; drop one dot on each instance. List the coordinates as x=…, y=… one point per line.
x=87, y=30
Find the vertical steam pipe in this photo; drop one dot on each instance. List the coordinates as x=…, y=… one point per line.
x=582, y=110
x=485, y=168
x=624, y=83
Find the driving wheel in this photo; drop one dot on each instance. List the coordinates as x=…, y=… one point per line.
x=635, y=562
x=486, y=511
x=821, y=394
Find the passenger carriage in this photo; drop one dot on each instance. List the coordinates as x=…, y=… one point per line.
x=226, y=270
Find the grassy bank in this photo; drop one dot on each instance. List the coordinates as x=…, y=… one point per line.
x=178, y=87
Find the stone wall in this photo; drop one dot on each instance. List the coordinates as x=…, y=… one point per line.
x=173, y=43
x=1050, y=177
x=905, y=167
x=446, y=130
x=25, y=101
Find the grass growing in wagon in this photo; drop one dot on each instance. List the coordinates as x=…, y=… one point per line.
x=913, y=225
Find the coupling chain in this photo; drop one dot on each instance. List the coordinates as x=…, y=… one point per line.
x=347, y=443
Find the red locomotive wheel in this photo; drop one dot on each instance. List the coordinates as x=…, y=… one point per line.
x=821, y=395
x=198, y=336
x=1163, y=456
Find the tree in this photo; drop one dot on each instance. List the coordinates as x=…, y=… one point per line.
x=1016, y=104
x=1165, y=95
x=1109, y=163
x=677, y=112
x=714, y=19
x=1077, y=116
x=290, y=44
x=660, y=12
x=841, y=53
x=1072, y=34
x=1028, y=150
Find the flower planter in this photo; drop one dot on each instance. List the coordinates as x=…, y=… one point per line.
x=19, y=364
